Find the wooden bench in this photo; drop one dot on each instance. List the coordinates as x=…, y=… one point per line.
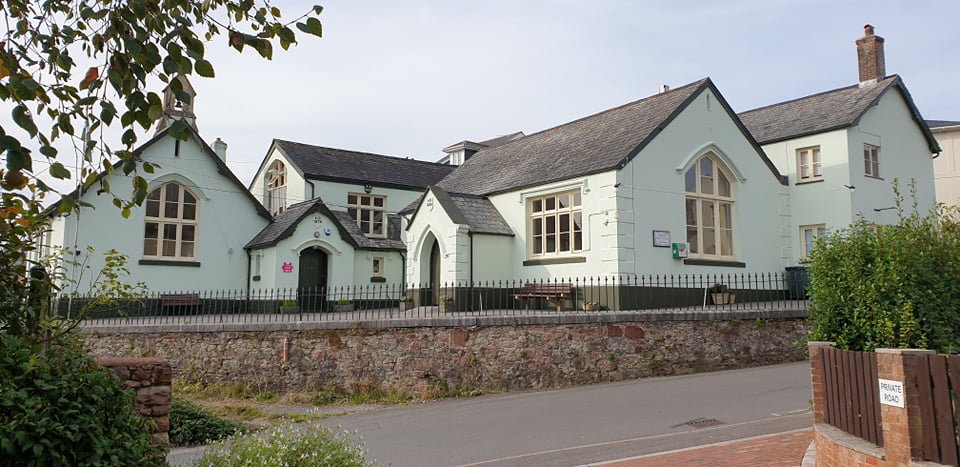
x=555, y=293
x=177, y=300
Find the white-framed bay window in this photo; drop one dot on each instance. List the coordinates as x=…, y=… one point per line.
x=709, y=209
x=170, y=223
x=555, y=224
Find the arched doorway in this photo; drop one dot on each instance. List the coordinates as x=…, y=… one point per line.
x=434, y=273
x=312, y=283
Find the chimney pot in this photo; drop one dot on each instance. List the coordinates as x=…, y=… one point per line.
x=220, y=147
x=868, y=30
x=664, y=88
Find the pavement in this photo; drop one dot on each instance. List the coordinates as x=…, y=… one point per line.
x=790, y=449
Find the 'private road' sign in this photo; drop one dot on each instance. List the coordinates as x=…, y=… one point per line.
x=891, y=392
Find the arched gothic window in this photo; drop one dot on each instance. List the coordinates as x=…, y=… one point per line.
x=276, y=184
x=709, y=207
x=170, y=223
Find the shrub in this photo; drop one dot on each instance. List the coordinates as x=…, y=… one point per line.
x=60, y=408
x=306, y=446
x=192, y=425
x=895, y=286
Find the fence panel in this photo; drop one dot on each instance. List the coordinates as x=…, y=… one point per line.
x=938, y=380
x=850, y=381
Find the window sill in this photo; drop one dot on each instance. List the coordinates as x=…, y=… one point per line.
x=805, y=182
x=873, y=177
x=165, y=262
x=255, y=278
x=558, y=260
x=714, y=262
x=378, y=279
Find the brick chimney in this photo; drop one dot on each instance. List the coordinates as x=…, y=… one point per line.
x=870, y=57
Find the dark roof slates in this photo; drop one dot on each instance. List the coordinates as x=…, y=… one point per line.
x=318, y=162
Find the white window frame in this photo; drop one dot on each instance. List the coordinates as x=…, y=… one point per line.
x=356, y=208
x=275, y=184
x=700, y=227
x=377, y=266
x=164, y=223
x=540, y=214
x=811, y=169
x=816, y=231
x=871, y=160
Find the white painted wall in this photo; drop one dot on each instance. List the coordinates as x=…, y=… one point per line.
x=651, y=196
x=227, y=220
x=491, y=257
x=946, y=167
x=334, y=194
x=297, y=189
x=340, y=256
x=827, y=201
x=599, y=230
x=904, y=154
x=432, y=223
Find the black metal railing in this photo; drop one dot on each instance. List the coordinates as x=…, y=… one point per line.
x=745, y=291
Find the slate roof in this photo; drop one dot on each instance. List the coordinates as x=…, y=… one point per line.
x=322, y=163
x=285, y=224
x=826, y=111
x=475, y=211
x=933, y=124
x=594, y=144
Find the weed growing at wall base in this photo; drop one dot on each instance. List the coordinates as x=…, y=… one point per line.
x=307, y=446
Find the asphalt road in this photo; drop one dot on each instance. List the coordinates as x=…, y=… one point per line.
x=589, y=424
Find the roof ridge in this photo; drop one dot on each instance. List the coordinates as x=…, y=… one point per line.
x=362, y=153
x=697, y=83
x=893, y=78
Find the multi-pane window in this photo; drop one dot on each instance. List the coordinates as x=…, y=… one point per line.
x=276, y=184
x=556, y=224
x=370, y=212
x=170, y=223
x=709, y=209
x=378, y=266
x=808, y=164
x=871, y=160
x=808, y=238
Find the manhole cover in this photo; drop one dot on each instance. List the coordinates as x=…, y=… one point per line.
x=701, y=422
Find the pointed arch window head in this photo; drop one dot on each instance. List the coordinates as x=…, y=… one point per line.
x=709, y=203
x=170, y=223
x=276, y=185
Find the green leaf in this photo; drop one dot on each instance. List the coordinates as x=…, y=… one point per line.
x=107, y=112
x=8, y=142
x=48, y=151
x=204, y=68
x=129, y=137
x=180, y=130
x=125, y=213
x=19, y=159
x=57, y=170
x=23, y=119
x=317, y=9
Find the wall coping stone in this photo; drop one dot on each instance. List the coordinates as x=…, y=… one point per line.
x=572, y=317
x=848, y=441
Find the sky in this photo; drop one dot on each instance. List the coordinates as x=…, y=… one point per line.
x=409, y=78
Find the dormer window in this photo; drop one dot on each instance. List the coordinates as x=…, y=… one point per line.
x=370, y=212
x=276, y=185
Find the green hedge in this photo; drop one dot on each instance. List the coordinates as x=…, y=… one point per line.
x=894, y=286
x=60, y=408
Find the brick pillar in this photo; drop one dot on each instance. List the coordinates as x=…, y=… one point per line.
x=902, y=427
x=151, y=378
x=816, y=378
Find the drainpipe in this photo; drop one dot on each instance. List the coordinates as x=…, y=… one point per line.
x=249, y=259
x=470, y=236
x=313, y=188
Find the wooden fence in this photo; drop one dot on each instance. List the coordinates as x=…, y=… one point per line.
x=850, y=393
x=938, y=381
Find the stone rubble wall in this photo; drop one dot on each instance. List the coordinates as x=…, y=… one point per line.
x=151, y=378
x=427, y=359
